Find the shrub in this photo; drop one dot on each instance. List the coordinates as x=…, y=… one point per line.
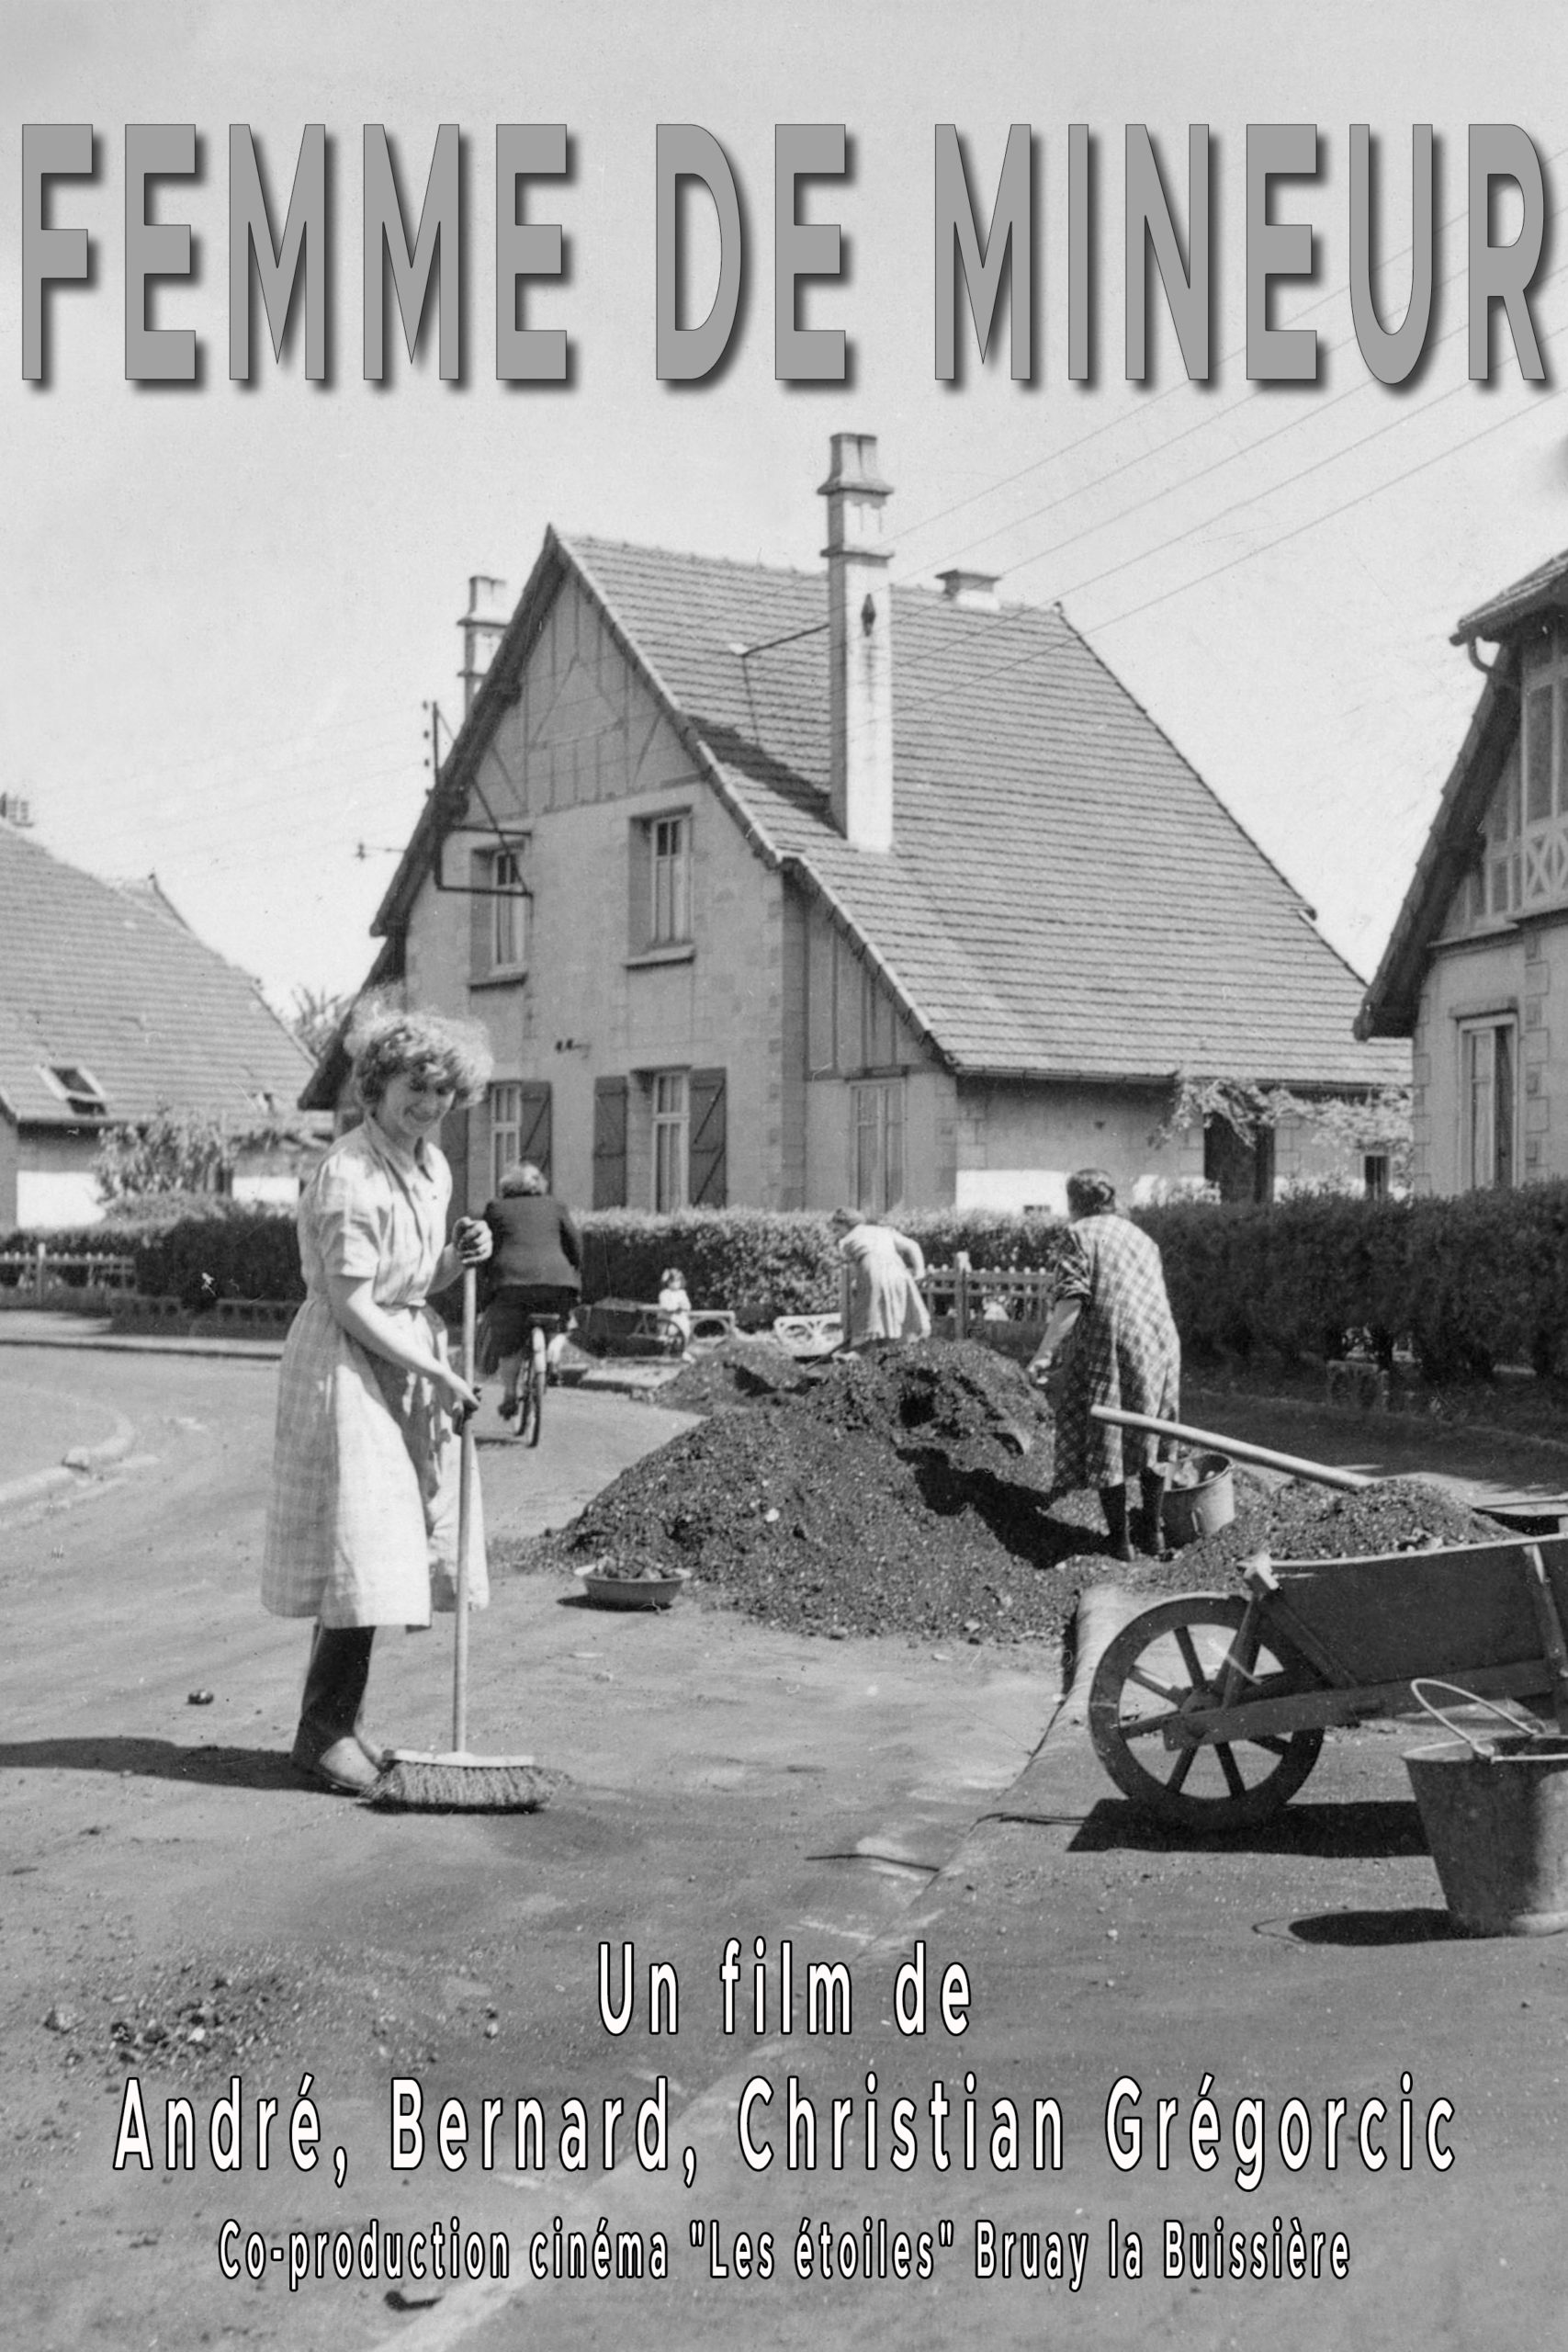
x=758, y=1262
x=246, y=1253
x=1472, y=1281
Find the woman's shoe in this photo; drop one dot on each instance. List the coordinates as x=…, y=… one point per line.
x=509, y=1409
x=344, y=1767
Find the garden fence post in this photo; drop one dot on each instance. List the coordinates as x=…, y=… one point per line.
x=39, y=1273
x=961, y=1294
x=844, y=1289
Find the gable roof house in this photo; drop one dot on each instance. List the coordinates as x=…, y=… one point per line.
x=1476, y=968
x=783, y=888
x=110, y=1007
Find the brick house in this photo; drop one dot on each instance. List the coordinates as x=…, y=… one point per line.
x=784, y=889
x=110, y=1007
x=1476, y=969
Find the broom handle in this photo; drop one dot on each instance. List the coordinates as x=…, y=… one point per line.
x=465, y=1502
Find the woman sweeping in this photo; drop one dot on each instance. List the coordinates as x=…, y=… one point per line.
x=363, y=1526
x=1110, y=1339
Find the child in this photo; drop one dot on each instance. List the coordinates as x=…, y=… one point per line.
x=674, y=1304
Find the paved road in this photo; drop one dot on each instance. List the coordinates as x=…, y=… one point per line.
x=49, y=1407
x=187, y=1916
x=724, y=1782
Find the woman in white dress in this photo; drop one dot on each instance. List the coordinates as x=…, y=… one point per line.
x=363, y=1526
x=885, y=1267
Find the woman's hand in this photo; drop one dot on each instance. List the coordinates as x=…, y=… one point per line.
x=473, y=1240
x=462, y=1399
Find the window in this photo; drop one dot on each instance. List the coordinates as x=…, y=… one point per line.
x=505, y=1131
x=509, y=913
x=520, y=1127
x=669, y=874
x=1488, y=1103
x=77, y=1089
x=1374, y=1175
x=671, y=1131
x=878, y=1115
x=500, y=904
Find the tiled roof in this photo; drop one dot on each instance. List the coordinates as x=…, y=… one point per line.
x=113, y=981
x=1543, y=589
x=1065, y=895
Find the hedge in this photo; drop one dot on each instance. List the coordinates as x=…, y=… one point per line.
x=1471, y=1281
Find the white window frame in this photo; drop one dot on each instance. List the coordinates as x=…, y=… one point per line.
x=508, y=913
x=1489, y=1128
x=670, y=880
x=505, y=1130
x=877, y=1144
x=670, y=1139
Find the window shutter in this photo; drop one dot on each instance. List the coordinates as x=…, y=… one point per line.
x=707, y=1173
x=480, y=914
x=534, y=1125
x=609, y=1142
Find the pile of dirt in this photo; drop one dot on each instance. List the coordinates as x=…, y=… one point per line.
x=899, y=1491
x=738, y=1372
x=908, y=1491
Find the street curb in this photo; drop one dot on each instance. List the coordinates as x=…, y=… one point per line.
x=144, y=1344
x=82, y=1462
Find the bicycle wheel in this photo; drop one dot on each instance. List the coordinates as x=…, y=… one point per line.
x=531, y=1413
x=1176, y=1656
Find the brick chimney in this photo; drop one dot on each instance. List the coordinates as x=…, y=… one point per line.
x=972, y=592
x=483, y=626
x=860, y=644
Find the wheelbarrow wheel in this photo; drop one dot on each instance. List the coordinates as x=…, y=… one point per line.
x=1168, y=1660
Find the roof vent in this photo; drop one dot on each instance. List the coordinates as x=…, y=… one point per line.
x=15, y=810
x=975, y=590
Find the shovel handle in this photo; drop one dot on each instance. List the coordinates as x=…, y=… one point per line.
x=1319, y=1473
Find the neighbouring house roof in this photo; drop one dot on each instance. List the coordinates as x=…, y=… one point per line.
x=1066, y=896
x=330, y=1073
x=1393, y=1001
x=111, y=983
x=1543, y=589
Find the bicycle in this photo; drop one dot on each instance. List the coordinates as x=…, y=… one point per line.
x=535, y=1382
x=536, y=1377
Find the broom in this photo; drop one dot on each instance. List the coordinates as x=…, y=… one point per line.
x=457, y=1782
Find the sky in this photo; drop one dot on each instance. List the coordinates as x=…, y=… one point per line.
x=224, y=607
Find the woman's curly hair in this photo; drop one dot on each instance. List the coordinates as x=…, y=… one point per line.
x=384, y=1041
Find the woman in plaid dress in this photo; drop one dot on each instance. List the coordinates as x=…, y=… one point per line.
x=1110, y=1339
x=363, y=1526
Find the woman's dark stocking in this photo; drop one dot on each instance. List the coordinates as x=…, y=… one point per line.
x=1151, y=1525
x=1113, y=1503
x=327, y=1740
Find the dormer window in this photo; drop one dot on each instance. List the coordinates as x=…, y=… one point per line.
x=77, y=1088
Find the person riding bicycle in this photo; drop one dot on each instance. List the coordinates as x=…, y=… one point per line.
x=535, y=1270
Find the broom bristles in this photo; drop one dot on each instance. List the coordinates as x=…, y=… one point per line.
x=465, y=1785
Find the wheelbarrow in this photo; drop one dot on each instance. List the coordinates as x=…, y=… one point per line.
x=1209, y=1709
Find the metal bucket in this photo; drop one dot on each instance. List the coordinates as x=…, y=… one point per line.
x=1495, y=1815
x=1204, y=1507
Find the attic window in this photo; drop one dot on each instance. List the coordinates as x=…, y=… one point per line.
x=77, y=1089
